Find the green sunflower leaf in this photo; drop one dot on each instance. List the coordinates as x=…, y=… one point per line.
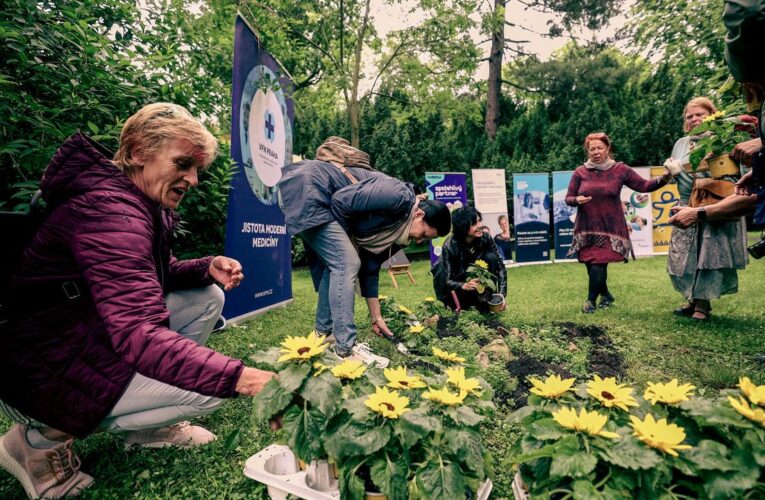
x=270, y=401
x=293, y=376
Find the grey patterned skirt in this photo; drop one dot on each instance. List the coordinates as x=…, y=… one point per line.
x=703, y=259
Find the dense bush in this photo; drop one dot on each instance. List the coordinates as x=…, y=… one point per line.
x=80, y=65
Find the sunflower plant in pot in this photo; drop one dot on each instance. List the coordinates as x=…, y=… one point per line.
x=402, y=433
x=603, y=440
x=307, y=392
x=486, y=280
x=487, y=285
x=397, y=316
x=415, y=437
x=716, y=136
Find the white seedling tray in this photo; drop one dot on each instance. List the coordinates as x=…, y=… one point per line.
x=484, y=490
x=519, y=489
x=277, y=467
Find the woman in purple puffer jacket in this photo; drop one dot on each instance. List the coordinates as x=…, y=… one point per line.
x=107, y=329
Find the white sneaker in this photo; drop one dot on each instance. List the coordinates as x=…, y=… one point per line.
x=362, y=352
x=182, y=434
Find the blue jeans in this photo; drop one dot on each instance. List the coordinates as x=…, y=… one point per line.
x=334, y=311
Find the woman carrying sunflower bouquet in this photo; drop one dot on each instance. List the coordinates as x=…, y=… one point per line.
x=470, y=269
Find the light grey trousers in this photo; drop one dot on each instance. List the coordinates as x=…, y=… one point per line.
x=148, y=403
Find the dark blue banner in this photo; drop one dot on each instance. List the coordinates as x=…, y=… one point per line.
x=563, y=215
x=261, y=144
x=531, y=208
x=450, y=188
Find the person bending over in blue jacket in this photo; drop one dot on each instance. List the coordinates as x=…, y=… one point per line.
x=353, y=218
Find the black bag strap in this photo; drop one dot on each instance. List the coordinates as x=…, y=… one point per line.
x=23, y=300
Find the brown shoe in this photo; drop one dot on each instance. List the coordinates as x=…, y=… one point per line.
x=182, y=434
x=700, y=315
x=44, y=473
x=685, y=310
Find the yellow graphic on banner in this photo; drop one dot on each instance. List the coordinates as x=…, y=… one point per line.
x=662, y=201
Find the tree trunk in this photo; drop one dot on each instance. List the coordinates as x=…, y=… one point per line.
x=495, y=73
x=353, y=115
x=354, y=105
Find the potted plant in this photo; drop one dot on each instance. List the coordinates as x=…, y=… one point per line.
x=603, y=440
x=306, y=394
x=716, y=136
x=408, y=435
x=398, y=317
x=487, y=286
x=415, y=437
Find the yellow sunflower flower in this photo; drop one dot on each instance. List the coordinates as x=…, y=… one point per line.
x=456, y=377
x=755, y=393
x=319, y=367
x=387, y=403
x=714, y=116
x=444, y=396
x=659, y=434
x=405, y=309
x=552, y=387
x=670, y=393
x=482, y=264
x=302, y=348
x=447, y=356
x=399, y=379
x=610, y=394
x=429, y=299
x=591, y=423
x=416, y=329
x=382, y=297
x=742, y=406
x=349, y=369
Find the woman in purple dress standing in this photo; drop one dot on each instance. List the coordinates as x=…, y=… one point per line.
x=600, y=231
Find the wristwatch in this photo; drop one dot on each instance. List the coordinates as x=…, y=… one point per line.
x=701, y=212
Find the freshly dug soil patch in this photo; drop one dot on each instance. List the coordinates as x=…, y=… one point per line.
x=417, y=362
x=525, y=366
x=447, y=327
x=492, y=321
x=604, y=359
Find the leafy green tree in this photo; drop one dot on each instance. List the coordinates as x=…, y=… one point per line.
x=688, y=35
x=336, y=35
x=64, y=65
x=584, y=90
x=590, y=13
x=77, y=64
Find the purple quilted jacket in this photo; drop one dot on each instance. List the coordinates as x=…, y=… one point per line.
x=67, y=366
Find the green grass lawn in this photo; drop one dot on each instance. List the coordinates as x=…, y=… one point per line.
x=656, y=345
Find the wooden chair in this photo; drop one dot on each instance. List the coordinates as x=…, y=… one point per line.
x=398, y=264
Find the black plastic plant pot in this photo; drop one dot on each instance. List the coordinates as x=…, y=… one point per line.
x=496, y=302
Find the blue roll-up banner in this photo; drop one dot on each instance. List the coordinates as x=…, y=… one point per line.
x=450, y=188
x=532, y=203
x=261, y=144
x=563, y=216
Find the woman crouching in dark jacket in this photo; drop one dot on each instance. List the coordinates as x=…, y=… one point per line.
x=107, y=329
x=467, y=244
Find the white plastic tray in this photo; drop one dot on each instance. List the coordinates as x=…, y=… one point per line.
x=277, y=467
x=519, y=489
